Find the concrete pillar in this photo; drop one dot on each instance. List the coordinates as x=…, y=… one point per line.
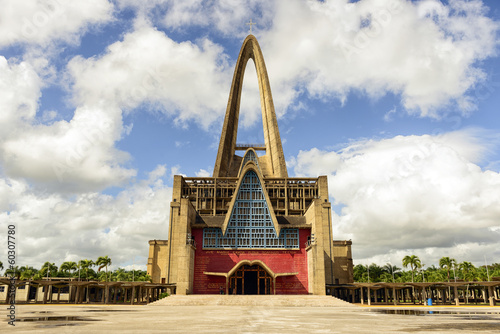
x=106, y=295
x=72, y=291
x=36, y=294
x=490, y=295
x=361, y=296
x=45, y=293
x=133, y=296
x=369, y=296
x=455, y=293
x=394, y=296
x=77, y=294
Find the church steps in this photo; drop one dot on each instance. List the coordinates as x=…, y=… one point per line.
x=252, y=300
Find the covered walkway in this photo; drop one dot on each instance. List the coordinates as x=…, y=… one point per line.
x=441, y=293
x=77, y=292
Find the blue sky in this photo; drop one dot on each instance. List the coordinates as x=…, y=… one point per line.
x=102, y=102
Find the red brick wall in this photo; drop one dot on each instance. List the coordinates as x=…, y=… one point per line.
x=279, y=261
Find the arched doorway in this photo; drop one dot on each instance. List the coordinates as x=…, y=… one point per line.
x=250, y=280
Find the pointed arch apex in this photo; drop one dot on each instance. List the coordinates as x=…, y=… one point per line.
x=224, y=165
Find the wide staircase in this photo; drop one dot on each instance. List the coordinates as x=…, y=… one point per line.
x=252, y=300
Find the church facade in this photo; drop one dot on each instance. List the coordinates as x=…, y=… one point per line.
x=250, y=229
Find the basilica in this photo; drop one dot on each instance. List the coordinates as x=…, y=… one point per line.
x=250, y=228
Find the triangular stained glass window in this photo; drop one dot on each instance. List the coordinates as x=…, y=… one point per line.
x=249, y=156
x=250, y=224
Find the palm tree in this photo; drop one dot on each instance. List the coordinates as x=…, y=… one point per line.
x=359, y=273
x=121, y=275
x=103, y=261
x=468, y=271
x=375, y=272
x=144, y=277
x=448, y=263
x=16, y=271
x=413, y=261
x=68, y=266
x=390, y=269
x=48, y=269
x=1, y=265
x=86, y=264
x=435, y=276
x=28, y=272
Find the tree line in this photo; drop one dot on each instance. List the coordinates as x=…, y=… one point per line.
x=448, y=270
x=82, y=269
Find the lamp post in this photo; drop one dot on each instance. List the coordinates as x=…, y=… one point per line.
x=133, y=269
x=487, y=271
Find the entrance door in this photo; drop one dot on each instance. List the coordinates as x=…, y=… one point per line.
x=250, y=280
x=251, y=284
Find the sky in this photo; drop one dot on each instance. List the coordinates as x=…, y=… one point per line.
x=103, y=101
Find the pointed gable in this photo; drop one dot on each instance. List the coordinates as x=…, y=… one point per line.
x=251, y=194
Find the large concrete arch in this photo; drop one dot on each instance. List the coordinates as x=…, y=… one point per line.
x=274, y=157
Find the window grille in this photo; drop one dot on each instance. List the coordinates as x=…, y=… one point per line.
x=249, y=156
x=250, y=224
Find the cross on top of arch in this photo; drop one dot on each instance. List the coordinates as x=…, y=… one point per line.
x=250, y=24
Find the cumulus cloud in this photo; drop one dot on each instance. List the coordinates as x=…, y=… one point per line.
x=57, y=228
x=227, y=17
x=78, y=155
x=41, y=22
x=186, y=80
x=20, y=87
x=413, y=194
x=425, y=52
x=75, y=155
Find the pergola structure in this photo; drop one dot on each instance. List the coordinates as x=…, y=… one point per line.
x=89, y=291
x=443, y=293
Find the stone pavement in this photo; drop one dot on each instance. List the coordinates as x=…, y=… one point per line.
x=198, y=316
x=252, y=300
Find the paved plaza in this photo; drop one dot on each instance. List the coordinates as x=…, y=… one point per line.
x=267, y=314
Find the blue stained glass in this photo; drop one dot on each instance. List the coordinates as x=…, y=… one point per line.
x=250, y=156
x=250, y=224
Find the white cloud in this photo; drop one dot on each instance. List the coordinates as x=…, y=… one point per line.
x=43, y=21
x=71, y=155
x=424, y=51
x=78, y=155
x=186, y=80
x=147, y=68
x=20, y=87
x=228, y=17
x=52, y=227
x=203, y=173
x=414, y=194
